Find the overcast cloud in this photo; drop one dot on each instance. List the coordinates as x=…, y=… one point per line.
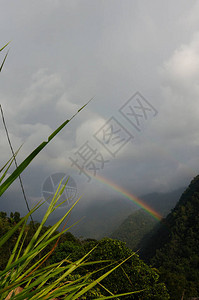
x=63, y=53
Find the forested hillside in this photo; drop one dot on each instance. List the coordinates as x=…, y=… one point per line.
x=174, y=246
x=138, y=225
x=136, y=229
x=132, y=275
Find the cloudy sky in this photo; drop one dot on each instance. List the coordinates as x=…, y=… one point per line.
x=63, y=53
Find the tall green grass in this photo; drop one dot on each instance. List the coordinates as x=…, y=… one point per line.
x=25, y=268
x=1, y=66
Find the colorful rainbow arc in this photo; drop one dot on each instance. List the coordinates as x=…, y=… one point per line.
x=130, y=196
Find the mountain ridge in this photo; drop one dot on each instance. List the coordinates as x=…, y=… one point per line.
x=174, y=246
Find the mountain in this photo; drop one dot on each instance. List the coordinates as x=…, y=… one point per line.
x=136, y=229
x=174, y=246
x=98, y=219
x=163, y=202
x=101, y=218
x=132, y=230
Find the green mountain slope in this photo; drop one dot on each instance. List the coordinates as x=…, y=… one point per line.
x=174, y=246
x=132, y=230
x=136, y=229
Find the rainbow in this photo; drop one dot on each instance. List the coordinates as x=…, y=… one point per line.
x=130, y=196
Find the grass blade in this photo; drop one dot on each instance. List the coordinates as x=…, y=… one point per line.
x=35, y=152
x=1, y=67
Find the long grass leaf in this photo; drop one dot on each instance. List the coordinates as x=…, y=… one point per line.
x=4, y=46
x=8, y=163
x=76, y=265
x=95, y=282
x=12, y=231
x=28, y=160
x=13, y=254
x=1, y=67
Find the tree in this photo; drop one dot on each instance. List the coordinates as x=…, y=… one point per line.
x=133, y=275
x=174, y=247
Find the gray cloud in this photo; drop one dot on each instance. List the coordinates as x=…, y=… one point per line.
x=63, y=53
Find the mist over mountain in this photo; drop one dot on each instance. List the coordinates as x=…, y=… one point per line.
x=99, y=218
x=163, y=202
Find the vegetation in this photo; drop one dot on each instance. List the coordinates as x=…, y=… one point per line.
x=133, y=275
x=2, y=64
x=174, y=247
x=28, y=265
x=135, y=230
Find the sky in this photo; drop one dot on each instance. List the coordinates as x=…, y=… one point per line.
x=126, y=55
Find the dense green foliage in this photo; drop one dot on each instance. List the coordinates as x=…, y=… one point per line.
x=174, y=247
x=134, y=231
x=27, y=265
x=133, y=275
x=6, y=224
